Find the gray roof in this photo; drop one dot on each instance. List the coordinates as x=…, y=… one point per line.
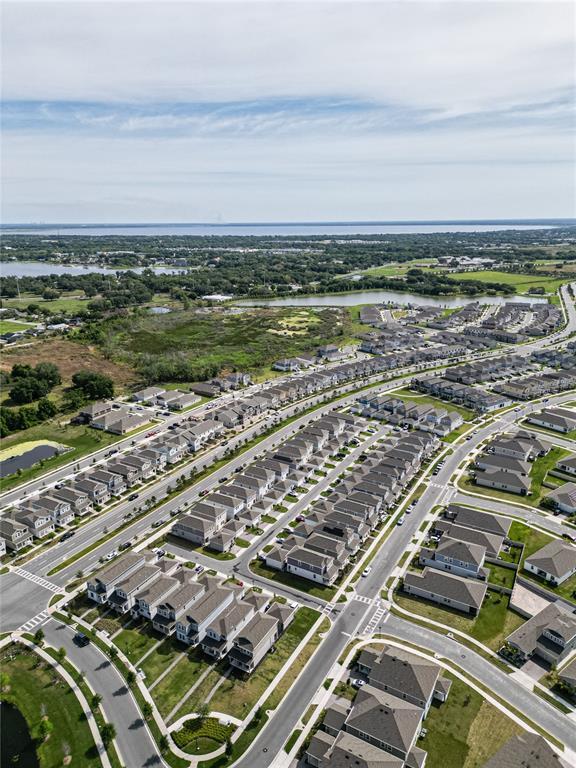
x=467, y=591
x=403, y=671
x=481, y=521
x=256, y=630
x=385, y=717
x=556, y=558
x=554, y=617
x=119, y=567
x=492, y=542
x=526, y=750
x=348, y=751
x=461, y=550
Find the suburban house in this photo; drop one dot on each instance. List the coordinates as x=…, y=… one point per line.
x=446, y=589
x=550, y=634
x=115, y=482
x=40, y=523
x=564, y=498
x=503, y=480
x=480, y=521
x=567, y=465
x=97, y=492
x=101, y=586
x=526, y=750
x=16, y=535
x=459, y=557
x=554, y=563
x=79, y=501
x=149, y=394
x=59, y=510
x=556, y=419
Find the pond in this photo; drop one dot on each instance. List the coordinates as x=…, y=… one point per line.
x=16, y=744
x=39, y=268
x=27, y=459
x=385, y=297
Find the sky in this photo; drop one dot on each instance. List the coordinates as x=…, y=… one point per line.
x=338, y=110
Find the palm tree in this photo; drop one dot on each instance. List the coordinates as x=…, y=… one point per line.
x=108, y=733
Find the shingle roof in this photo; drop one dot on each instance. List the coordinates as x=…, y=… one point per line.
x=385, y=717
x=555, y=558
x=527, y=750
x=468, y=591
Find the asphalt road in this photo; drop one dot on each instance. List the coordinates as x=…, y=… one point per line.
x=136, y=745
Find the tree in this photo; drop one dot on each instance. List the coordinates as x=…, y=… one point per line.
x=147, y=710
x=95, y=701
x=94, y=386
x=39, y=636
x=48, y=372
x=46, y=409
x=113, y=651
x=49, y=294
x=130, y=677
x=229, y=747
x=45, y=728
x=202, y=710
x=61, y=654
x=163, y=743
x=108, y=733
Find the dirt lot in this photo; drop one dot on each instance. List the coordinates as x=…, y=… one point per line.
x=70, y=358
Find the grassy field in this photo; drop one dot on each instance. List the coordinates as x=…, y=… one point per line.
x=464, y=731
x=68, y=302
x=134, y=643
x=247, y=339
x=160, y=659
x=522, y=283
x=492, y=625
x=181, y=678
x=10, y=326
x=413, y=397
x=36, y=688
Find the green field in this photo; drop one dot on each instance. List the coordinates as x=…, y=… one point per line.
x=465, y=730
x=9, y=326
x=38, y=691
x=66, y=303
x=191, y=345
x=522, y=283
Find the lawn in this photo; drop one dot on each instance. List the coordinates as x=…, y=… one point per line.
x=71, y=302
x=237, y=696
x=492, y=625
x=289, y=580
x=135, y=642
x=35, y=687
x=172, y=688
x=10, y=326
x=161, y=658
x=503, y=577
x=522, y=283
x=464, y=731
x=408, y=396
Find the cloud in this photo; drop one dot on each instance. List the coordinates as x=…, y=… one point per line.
x=280, y=110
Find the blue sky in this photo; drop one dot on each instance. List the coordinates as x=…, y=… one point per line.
x=191, y=111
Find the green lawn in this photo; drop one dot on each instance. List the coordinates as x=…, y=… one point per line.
x=237, y=696
x=522, y=283
x=289, y=580
x=135, y=642
x=464, y=731
x=172, y=688
x=35, y=687
x=66, y=303
x=492, y=625
x=10, y=326
x=532, y=539
x=503, y=577
x=161, y=658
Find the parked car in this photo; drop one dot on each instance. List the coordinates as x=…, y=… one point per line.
x=358, y=683
x=367, y=571
x=133, y=496
x=67, y=535
x=111, y=555
x=400, y=520
x=125, y=545
x=81, y=640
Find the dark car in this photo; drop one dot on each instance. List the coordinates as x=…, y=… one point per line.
x=125, y=545
x=67, y=535
x=133, y=496
x=81, y=640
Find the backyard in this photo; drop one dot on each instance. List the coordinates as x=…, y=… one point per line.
x=465, y=730
x=40, y=694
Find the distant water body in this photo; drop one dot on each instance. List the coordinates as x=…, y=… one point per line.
x=286, y=228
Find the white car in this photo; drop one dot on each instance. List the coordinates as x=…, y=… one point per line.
x=358, y=683
x=111, y=555
x=400, y=520
x=367, y=570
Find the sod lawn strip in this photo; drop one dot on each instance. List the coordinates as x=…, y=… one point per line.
x=160, y=659
x=180, y=679
x=134, y=643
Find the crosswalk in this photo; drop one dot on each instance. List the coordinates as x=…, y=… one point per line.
x=375, y=620
x=37, y=579
x=34, y=622
x=363, y=599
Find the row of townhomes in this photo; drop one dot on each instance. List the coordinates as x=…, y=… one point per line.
x=57, y=507
x=479, y=400
x=172, y=399
x=112, y=417
x=506, y=463
x=561, y=420
x=381, y=726
x=453, y=572
x=320, y=547
x=409, y=414
x=224, y=619
x=490, y=369
x=223, y=514
x=537, y=385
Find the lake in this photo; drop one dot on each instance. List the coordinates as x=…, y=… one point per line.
x=16, y=745
x=385, y=297
x=285, y=228
x=38, y=268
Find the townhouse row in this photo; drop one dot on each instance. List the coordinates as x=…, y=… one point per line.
x=222, y=618
x=320, y=548
x=479, y=400
x=410, y=414
x=505, y=464
x=222, y=515
x=490, y=369
x=537, y=385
